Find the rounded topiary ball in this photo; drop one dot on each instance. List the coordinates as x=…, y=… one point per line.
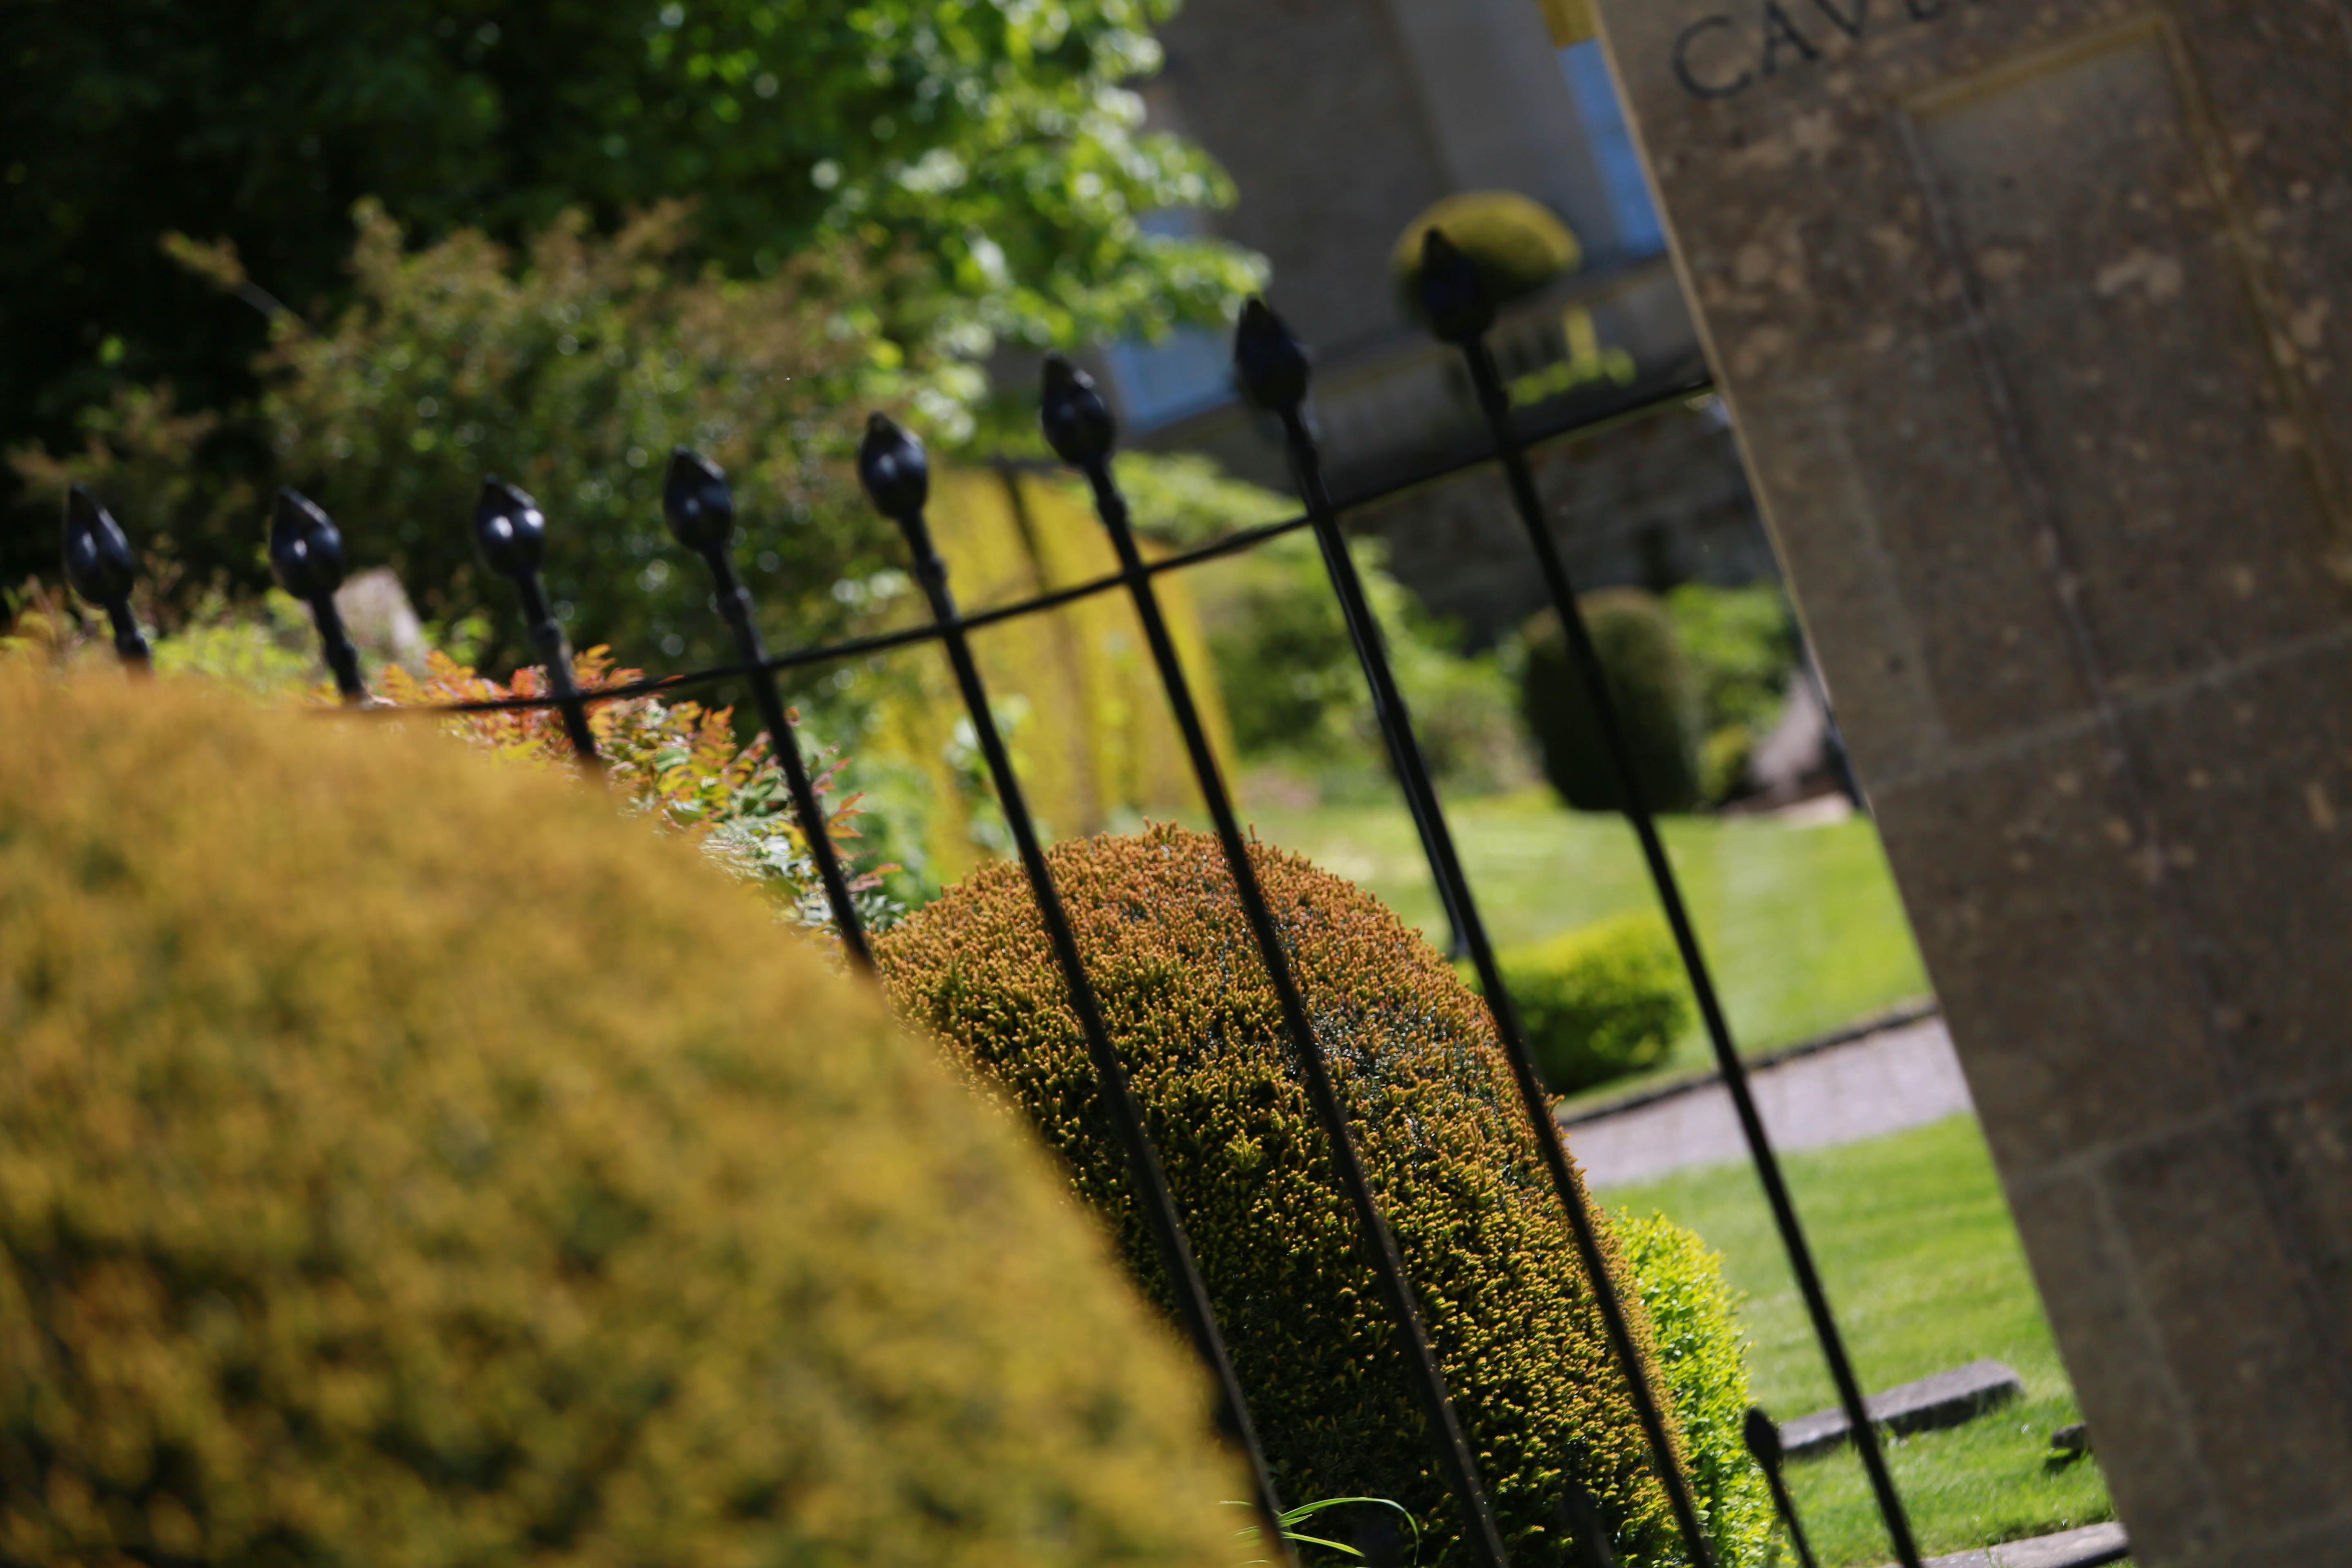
x=1515, y=244
x=1440, y=1124
x=1650, y=685
x=406, y=1159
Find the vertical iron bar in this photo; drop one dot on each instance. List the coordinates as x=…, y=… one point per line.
x=700, y=510
x=1388, y=706
x=1078, y=426
x=99, y=565
x=1458, y=307
x=1271, y=368
x=306, y=556
x=1762, y=1435
x=510, y=534
x=895, y=473
x=1584, y=1527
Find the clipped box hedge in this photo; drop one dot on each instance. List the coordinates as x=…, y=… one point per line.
x=406, y=1160
x=1650, y=685
x=1442, y=1130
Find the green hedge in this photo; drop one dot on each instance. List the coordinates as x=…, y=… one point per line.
x=1441, y=1127
x=1650, y=683
x=1515, y=244
x=1702, y=1356
x=406, y=1159
x=1297, y=692
x=1600, y=1002
x=1741, y=646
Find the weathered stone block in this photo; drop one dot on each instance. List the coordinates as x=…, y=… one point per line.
x=1946, y=1399
x=2034, y=319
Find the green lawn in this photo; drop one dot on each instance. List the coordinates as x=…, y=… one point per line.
x=1801, y=925
x=1925, y=1271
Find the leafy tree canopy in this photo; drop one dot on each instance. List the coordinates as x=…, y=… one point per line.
x=991, y=142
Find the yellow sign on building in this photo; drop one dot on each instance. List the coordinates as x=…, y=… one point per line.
x=1571, y=21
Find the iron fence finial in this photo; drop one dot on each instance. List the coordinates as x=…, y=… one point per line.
x=1077, y=422
x=509, y=531
x=306, y=556
x=510, y=534
x=1453, y=296
x=306, y=549
x=892, y=467
x=99, y=562
x=697, y=502
x=101, y=567
x=1269, y=362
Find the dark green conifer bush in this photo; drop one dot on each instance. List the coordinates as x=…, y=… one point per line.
x=1440, y=1124
x=1599, y=1002
x=1651, y=684
x=404, y=1160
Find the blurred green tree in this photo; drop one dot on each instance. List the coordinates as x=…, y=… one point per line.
x=570, y=366
x=991, y=143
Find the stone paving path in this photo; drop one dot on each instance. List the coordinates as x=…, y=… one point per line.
x=1901, y=1077
x=2085, y=1548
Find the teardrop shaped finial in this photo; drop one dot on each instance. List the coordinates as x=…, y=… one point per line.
x=892, y=467
x=1078, y=422
x=510, y=531
x=697, y=502
x=1453, y=296
x=97, y=558
x=306, y=548
x=1269, y=363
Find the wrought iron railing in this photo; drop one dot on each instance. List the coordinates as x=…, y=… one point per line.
x=1272, y=373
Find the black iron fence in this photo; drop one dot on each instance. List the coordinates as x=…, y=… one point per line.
x=1272, y=370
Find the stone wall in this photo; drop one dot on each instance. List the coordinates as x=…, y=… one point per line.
x=2034, y=321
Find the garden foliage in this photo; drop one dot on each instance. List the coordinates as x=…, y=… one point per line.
x=1702, y=1356
x=1741, y=645
x=1599, y=1002
x=1074, y=691
x=1650, y=683
x=1296, y=691
x=997, y=148
x=680, y=764
x=1440, y=1124
x=402, y=1161
x=571, y=368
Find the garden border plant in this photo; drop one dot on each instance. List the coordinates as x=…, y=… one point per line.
x=1509, y=1313
x=408, y=1158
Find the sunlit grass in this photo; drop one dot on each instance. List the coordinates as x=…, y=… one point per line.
x=1926, y=1273
x=1801, y=925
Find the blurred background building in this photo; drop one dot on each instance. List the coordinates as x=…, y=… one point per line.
x=1348, y=124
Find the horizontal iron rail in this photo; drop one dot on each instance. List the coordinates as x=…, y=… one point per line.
x=932, y=631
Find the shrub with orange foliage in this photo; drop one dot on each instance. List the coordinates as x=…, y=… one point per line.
x=678, y=763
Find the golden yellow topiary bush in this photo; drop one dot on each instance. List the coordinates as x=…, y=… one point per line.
x=1442, y=1130
x=406, y=1160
